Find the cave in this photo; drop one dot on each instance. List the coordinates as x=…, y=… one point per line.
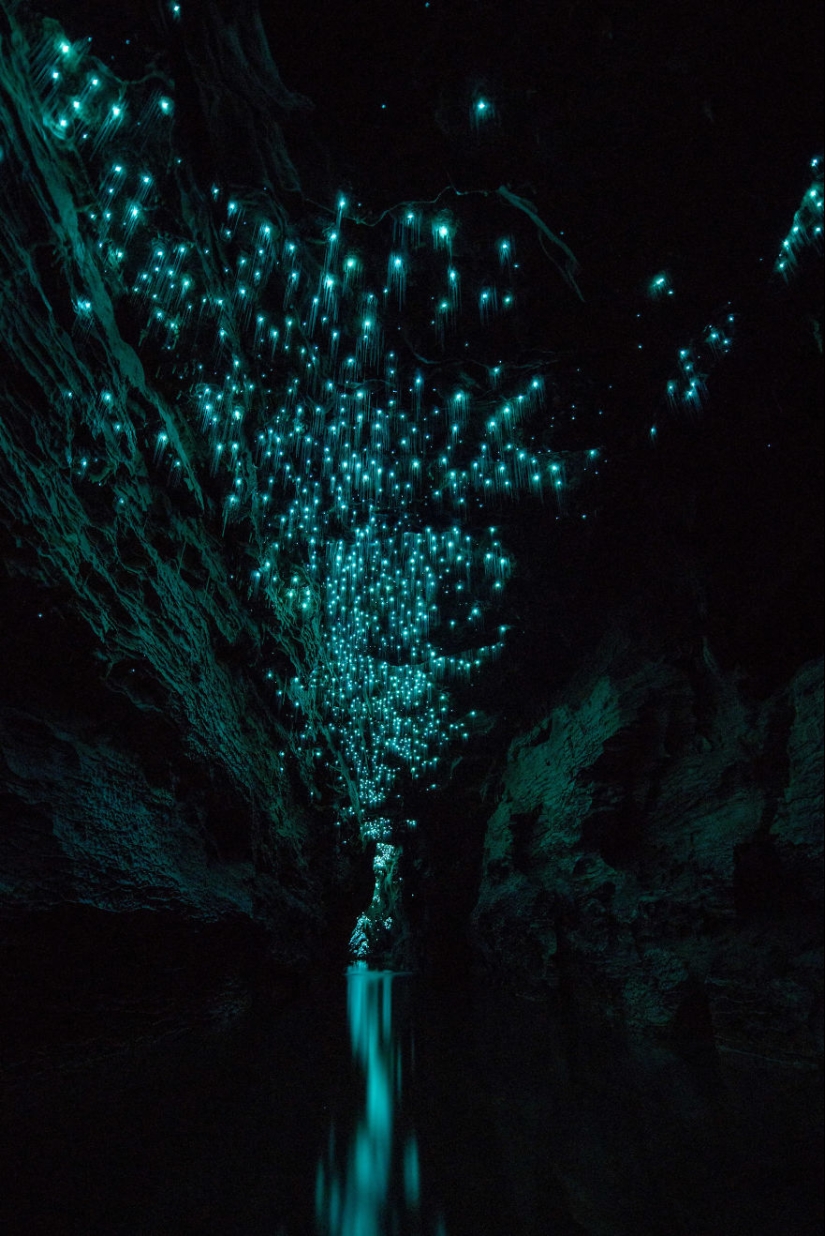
x=411, y=669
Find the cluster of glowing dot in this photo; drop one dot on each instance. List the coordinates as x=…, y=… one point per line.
x=688, y=389
x=366, y=482
x=365, y=478
x=806, y=229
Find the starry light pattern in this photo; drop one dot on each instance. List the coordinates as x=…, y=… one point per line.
x=806, y=229
x=687, y=390
x=366, y=476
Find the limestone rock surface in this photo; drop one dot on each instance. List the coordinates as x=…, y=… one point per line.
x=656, y=852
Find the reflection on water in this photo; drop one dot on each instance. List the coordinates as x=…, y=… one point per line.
x=502, y=1117
x=369, y=1182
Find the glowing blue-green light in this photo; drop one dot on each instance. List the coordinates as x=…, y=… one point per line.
x=481, y=111
x=359, y=443
x=659, y=286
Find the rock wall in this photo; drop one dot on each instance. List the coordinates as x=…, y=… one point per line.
x=656, y=853
x=134, y=897
x=161, y=822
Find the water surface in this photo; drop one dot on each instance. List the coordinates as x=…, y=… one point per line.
x=380, y=1105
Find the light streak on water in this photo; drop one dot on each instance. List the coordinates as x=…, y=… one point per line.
x=372, y=1185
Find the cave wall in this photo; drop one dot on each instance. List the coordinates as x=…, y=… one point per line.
x=160, y=829
x=144, y=888
x=655, y=852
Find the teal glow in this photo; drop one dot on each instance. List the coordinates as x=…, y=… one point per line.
x=443, y=232
x=482, y=111
x=688, y=389
x=357, y=476
x=806, y=230
x=659, y=286
x=370, y=1183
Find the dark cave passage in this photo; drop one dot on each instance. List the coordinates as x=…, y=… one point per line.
x=411, y=476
